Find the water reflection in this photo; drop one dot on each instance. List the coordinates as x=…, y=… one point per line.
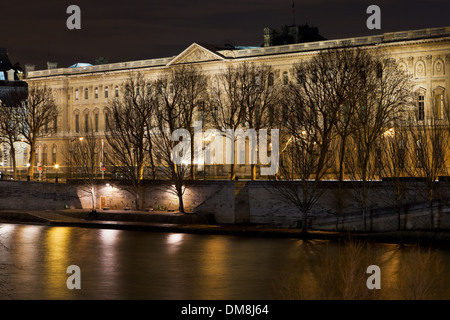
x=117, y=264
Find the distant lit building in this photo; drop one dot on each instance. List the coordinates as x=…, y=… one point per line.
x=83, y=91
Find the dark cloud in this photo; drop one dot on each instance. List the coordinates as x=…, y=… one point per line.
x=35, y=31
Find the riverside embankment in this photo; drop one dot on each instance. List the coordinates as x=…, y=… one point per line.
x=191, y=223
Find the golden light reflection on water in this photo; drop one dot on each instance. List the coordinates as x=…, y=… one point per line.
x=109, y=237
x=116, y=264
x=215, y=265
x=57, y=260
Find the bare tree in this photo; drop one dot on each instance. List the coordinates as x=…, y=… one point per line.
x=179, y=96
x=35, y=118
x=127, y=132
x=384, y=92
x=393, y=149
x=227, y=100
x=9, y=122
x=83, y=156
x=259, y=98
x=428, y=150
x=312, y=106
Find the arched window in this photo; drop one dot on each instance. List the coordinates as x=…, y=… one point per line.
x=270, y=80
x=86, y=122
x=117, y=91
x=438, y=102
x=106, y=115
x=77, y=122
x=54, y=155
x=96, y=93
x=285, y=78
x=44, y=155
x=86, y=93
x=106, y=92
x=96, y=122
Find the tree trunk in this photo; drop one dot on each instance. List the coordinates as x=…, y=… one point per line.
x=304, y=222
x=93, y=198
x=180, y=201
x=431, y=215
x=137, y=199
x=152, y=162
x=31, y=161
x=233, y=171
x=341, y=161
x=13, y=159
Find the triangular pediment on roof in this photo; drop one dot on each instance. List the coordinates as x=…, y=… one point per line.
x=196, y=53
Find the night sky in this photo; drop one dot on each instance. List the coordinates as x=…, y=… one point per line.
x=35, y=31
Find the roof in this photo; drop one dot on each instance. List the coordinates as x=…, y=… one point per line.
x=80, y=65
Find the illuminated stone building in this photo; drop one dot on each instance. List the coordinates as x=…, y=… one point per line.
x=83, y=91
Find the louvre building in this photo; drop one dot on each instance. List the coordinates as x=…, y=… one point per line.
x=84, y=92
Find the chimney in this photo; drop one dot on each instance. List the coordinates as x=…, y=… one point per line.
x=268, y=37
x=29, y=68
x=51, y=65
x=10, y=75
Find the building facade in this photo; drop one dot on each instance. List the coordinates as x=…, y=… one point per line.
x=83, y=92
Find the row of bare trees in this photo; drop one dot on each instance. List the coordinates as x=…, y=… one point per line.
x=26, y=115
x=351, y=116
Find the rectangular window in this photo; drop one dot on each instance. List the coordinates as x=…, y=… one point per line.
x=421, y=108
x=86, y=122
x=438, y=105
x=54, y=156
x=117, y=91
x=96, y=93
x=44, y=157
x=106, y=92
x=96, y=122
x=77, y=123
x=76, y=94
x=106, y=122
x=86, y=93
x=285, y=78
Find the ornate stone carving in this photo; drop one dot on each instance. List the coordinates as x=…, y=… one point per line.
x=410, y=61
x=420, y=69
x=438, y=67
x=195, y=54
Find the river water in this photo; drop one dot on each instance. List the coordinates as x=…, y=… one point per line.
x=121, y=264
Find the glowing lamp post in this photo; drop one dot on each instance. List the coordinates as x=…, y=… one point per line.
x=56, y=167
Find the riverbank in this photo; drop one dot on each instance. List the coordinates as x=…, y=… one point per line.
x=190, y=223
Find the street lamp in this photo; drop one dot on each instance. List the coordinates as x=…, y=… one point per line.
x=56, y=178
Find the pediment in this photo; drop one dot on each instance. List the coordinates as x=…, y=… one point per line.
x=195, y=53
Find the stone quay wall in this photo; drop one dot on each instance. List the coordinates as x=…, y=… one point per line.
x=241, y=202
